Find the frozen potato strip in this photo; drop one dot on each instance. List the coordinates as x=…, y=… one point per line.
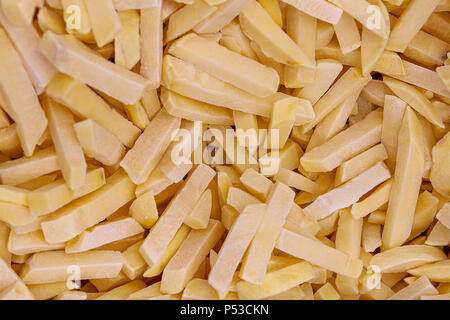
x=104, y=233
x=104, y=19
x=444, y=215
x=57, y=194
x=374, y=201
x=98, y=143
x=123, y=5
x=281, y=121
x=297, y=181
x=276, y=282
x=404, y=258
x=254, y=264
x=438, y=271
x=186, y=80
x=198, y=218
x=406, y=185
x=199, y=289
x=124, y=291
x=68, y=149
x=20, y=12
x=327, y=71
x=15, y=215
x=409, y=23
x=426, y=208
x=394, y=109
x=18, y=97
x=438, y=236
x=274, y=42
x=350, y=82
x=318, y=254
x=157, y=183
x=440, y=173
x=26, y=39
x=72, y=57
x=420, y=287
x=152, y=44
x=239, y=199
x=183, y=265
x=146, y=293
x=49, y=267
x=9, y=142
x=127, y=47
x=156, y=137
x=347, y=33
x=274, y=9
x=21, y=244
x=348, y=193
x=444, y=74
x=360, y=163
x=319, y=9
x=235, y=69
x=415, y=99
x=298, y=222
x=144, y=210
x=133, y=265
x=377, y=217
x=14, y=195
x=82, y=31
x=363, y=11
x=344, y=145
x=68, y=222
x=327, y=292
x=47, y=290
x=224, y=14
x=371, y=237
x=235, y=245
x=256, y=183
x=234, y=39
x=187, y=18
x=85, y=103
x=15, y=172
x=10, y=280
x=173, y=216
x=186, y=108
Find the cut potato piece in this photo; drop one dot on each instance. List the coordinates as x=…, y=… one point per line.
x=319, y=9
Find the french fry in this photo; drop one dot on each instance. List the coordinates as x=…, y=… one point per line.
x=127, y=47
x=347, y=33
x=319, y=9
x=104, y=19
x=415, y=290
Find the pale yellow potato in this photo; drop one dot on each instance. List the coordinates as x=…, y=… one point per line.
x=16, y=291
x=296, y=181
x=127, y=47
x=198, y=218
x=394, y=109
x=440, y=170
x=327, y=71
x=183, y=265
x=244, y=228
x=148, y=292
x=187, y=18
x=122, y=5
x=104, y=19
x=327, y=292
x=157, y=268
x=49, y=267
x=444, y=215
x=371, y=237
x=18, y=171
x=347, y=33
x=426, y=209
x=378, y=198
x=224, y=14
x=68, y=150
x=105, y=284
x=298, y=222
x=49, y=19
x=102, y=234
x=438, y=236
x=437, y=24
x=409, y=23
x=254, y=264
x=57, y=194
x=173, y=216
x=156, y=137
x=344, y=87
x=237, y=70
x=332, y=123
x=124, y=291
x=14, y=195
x=199, y=289
x=256, y=183
x=85, y=103
x=404, y=258
x=98, y=143
x=137, y=114
x=344, y=145
x=407, y=179
x=259, y=26
x=319, y=9
x=22, y=244
x=234, y=39
x=20, y=12
x=18, y=97
x=438, y=271
x=83, y=30
x=47, y=291
x=26, y=39
x=420, y=287
x=133, y=265
x=444, y=74
x=423, y=78
x=157, y=182
x=348, y=193
x=319, y=254
x=377, y=217
x=348, y=240
x=276, y=282
x=68, y=222
x=69, y=56
x=144, y=210
x=362, y=11
x=360, y=163
x=152, y=44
